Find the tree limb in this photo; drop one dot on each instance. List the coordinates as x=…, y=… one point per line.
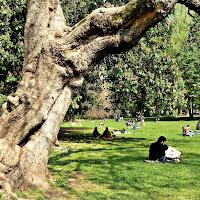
x=108, y=30
x=191, y=4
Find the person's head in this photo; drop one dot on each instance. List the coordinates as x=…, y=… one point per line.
x=106, y=128
x=95, y=128
x=161, y=139
x=188, y=126
x=135, y=122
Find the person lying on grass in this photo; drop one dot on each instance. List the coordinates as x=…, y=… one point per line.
x=187, y=132
x=123, y=131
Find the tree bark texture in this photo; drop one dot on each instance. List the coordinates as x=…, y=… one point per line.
x=56, y=59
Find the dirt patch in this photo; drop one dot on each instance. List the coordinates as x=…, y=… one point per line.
x=55, y=194
x=77, y=183
x=76, y=179
x=49, y=195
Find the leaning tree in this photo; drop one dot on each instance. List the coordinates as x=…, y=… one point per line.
x=56, y=59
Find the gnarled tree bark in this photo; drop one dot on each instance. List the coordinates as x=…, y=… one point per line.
x=56, y=59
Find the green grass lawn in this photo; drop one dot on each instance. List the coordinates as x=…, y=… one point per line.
x=90, y=169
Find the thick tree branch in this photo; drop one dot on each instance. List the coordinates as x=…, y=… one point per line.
x=191, y=4
x=108, y=30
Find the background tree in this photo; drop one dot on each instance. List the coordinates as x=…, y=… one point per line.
x=189, y=61
x=12, y=21
x=12, y=26
x=11, y=63
x=147, y=77
x=180, y=22
x=185, y=48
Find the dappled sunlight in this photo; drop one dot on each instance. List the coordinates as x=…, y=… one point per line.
x=116, y=168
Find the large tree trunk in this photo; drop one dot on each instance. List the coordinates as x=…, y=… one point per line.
x=56, y=59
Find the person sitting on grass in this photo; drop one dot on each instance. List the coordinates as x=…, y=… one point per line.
x=157, y=150
x=129, y=123
x=106, y=133
x=96, y=133
x=136, y=126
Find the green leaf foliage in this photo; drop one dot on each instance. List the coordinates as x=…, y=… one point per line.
x=147, y=79
x=12, y=20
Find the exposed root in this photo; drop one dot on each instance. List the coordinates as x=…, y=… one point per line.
x=5, y=187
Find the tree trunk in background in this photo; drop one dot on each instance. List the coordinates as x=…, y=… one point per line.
x=192, y=108
x=56, y=59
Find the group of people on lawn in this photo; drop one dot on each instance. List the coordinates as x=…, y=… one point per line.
x=158, y=150
x=130, y=122
x=106, y=133
x=187, y=132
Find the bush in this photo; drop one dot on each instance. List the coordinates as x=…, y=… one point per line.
x=97, y=114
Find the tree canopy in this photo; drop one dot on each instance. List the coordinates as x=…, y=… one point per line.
x=11, y=49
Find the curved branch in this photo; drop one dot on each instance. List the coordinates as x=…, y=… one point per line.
x=108, y=30
x=191, y=4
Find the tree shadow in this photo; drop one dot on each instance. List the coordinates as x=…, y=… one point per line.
x=114, y=145
x=78, y=135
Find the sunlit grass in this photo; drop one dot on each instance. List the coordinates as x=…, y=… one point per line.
x=115, y=169
x=90, y=169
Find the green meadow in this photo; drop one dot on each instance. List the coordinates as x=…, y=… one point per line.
x=91, y=169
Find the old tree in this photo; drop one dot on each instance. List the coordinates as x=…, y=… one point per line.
x=56, y=59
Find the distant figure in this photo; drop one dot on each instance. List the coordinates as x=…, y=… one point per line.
x=136, y=126
x=142, y=120
x=118, y=118
x=129, y=123
x=73, y=124
x=187, y=132
x=198, y=126
x=157, y=120
x=96, y=132
x=103, y=119
x=106, y=133
x=157, y=150
x=123, y=131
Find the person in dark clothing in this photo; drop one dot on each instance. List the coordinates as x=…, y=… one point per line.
x=157, y=150
x=106, y=133
x=198, y=126
x=96, y=132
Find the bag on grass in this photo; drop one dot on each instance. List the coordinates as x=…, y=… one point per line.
x=172, y=153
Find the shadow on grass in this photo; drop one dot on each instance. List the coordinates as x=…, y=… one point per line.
x=112, y=147
x=78, y=135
